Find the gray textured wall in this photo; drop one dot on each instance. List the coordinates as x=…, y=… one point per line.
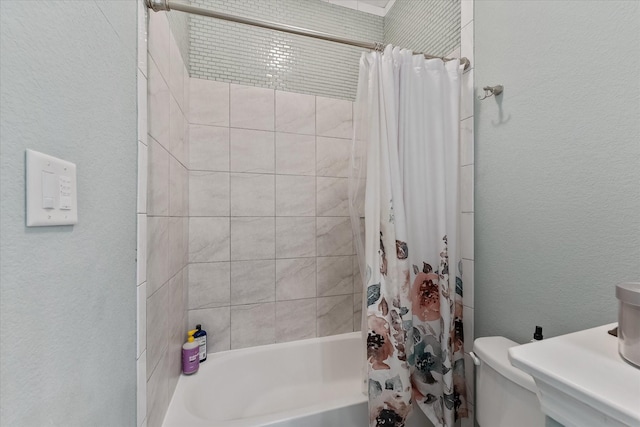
x=557, y=190
x=238, y=53
x=431, y=27
x=67, y=294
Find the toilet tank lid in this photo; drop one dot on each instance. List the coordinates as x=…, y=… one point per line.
x=494, y=351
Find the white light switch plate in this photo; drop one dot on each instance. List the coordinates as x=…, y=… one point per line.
x=51, y=190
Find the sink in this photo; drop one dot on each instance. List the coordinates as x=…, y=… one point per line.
x=582, y=380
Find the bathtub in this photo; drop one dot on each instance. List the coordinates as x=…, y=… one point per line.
x=307, y=383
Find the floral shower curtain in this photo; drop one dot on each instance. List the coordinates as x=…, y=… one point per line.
x=406, y=153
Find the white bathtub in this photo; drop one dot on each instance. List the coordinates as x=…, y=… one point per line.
x=308, y=383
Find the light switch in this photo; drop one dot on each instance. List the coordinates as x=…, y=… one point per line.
x=48, y=189
x=65, y=192
x=51, y=190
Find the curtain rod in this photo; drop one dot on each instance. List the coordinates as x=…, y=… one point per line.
x=168, y=5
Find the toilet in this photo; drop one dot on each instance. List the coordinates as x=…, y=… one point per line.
x=505, y=396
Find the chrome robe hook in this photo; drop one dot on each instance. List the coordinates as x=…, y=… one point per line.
x=491, y=91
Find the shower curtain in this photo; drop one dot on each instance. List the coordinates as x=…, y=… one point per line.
x=405, y=151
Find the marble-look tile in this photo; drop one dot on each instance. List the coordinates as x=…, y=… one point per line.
x=466, y=12
x=176, y=245
x=358, y=285
x=252, y=107
x=466, y=42
x=295, y=154
x=295, y=113
x=176, y=332
x=467, y=95
x=334, y=236
x=295, y=320
x=177, y=141
x=208, y=102
x=159, y=115
x=185, y=191
x=174, y=357
x=466, y=142
x=185, y=288
x=252, y=151
x=468, y=321
x=467, y=282
x=157, y=326
x=141, y=388
x=141, y=249
x=217, y=323
x=157, y=393
x=252, y=238
x=208, y=148
x=333, y=156
x=178, y=188
x=143, y=120
x=334, y=315
x=357, y=311
x=157, y=252
x=332, y=196
x=208, y=193
x=185, y=238
x=185, y=147
x=335, y=276
x=252, y=194
x=295, y=195
x=253, y=281
x=159, y=33
x=158, y=181
x=187, y=88
x=334, y=117
x=295, y=237
x=209, y=285
x=176, y=78
x=141, y=319
x=466, y=188
x=295, y=278
x=253, y=325
x=209, y=239
x=466, y=235
x=143, y=176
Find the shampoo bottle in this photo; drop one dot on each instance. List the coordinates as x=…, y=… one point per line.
x=201, y=338
x=190, y=355
x=537, y=336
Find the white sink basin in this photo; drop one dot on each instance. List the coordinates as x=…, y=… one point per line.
x=582, y=380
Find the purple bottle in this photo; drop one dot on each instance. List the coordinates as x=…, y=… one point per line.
x=190, y=355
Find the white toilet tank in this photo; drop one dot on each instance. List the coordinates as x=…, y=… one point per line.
x=505, y=396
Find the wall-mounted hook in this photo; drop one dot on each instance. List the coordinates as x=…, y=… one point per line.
x=491, y=91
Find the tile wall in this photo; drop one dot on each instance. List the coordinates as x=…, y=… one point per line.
x=164, y=205
x=236, y=53
x=466, y=201
x=424, y=26
x=271, y=257
x=242, y=216
x=141, y=261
